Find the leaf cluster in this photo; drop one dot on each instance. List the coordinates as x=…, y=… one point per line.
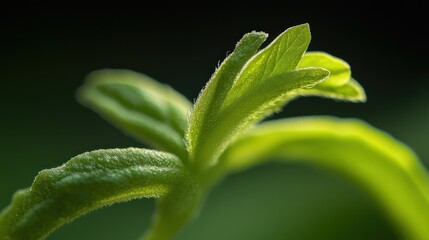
x=199, y=144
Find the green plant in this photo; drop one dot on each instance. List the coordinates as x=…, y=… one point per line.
x=219, y=135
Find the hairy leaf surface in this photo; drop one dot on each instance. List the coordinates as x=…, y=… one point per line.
x=206, y=110
x=265, y=82
x=85, y=183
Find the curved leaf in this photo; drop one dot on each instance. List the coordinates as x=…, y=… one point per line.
x=340, y=85
x=351, y=91
x=381, y=165
x=206, y=109
x=85, y=183
x=339, y=69
x=141, y=107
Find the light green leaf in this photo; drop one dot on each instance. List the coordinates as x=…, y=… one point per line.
x=282, y=55
x=339, y=85
x=85, y=183
x=141, y=107
x=263, y=85
x=339, y=69
x=208, y=104
x=255, y=105
x=381, y=165
x=351, y=91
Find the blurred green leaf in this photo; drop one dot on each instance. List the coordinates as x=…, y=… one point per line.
x=141, y=107
x=85, y=183
x=381, y=165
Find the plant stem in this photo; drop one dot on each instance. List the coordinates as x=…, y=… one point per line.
x=174, y=211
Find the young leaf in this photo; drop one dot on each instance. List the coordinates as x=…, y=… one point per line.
x=264, y=83
x=339, y=85
x=339, y=69
x=254, y=105
x=282, y=55
x=141, y=107
x=85, y=183
x=351, y=91
x=381, y=165
x=208, y=104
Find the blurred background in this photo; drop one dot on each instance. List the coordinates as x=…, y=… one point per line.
x=45, y=57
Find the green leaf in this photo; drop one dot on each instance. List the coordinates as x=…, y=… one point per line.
x=282, y=55
x=208, y=104
x=255, y=105
x=351, y=91
x=381, y=165
x=141, y=107
x=85, y=183
x=339, y=69
x=339, y=85
x=263, y=85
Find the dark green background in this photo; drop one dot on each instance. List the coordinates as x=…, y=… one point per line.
x=45, y=57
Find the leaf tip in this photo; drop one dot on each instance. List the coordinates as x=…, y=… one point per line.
x=260, y=35
x=321, y=72
x=252, y=39
x=303, y=26
x=361, y=97
x=360, y=91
